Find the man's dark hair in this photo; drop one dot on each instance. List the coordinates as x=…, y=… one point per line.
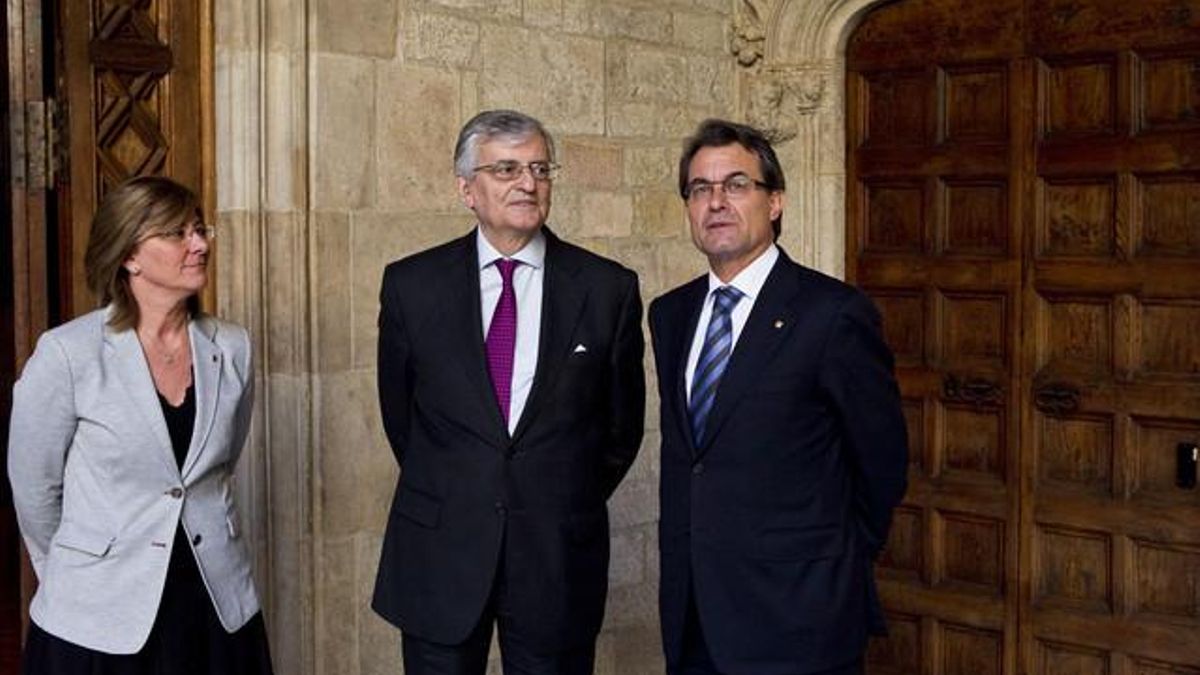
x=716, y=133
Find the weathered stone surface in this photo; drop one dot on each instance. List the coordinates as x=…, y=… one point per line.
x=503, y=9
x=652, y=165
x=414, y=148
x=589, y=164
x=345, y=102
x=659, y=213
x=711, y=83
x=442, y=39
x=592, y=213
x=334, y=337
x=337, y=626
x=614, y=20
x=705, y=32
x=358, y=478
x=366, y=27
x=627, y=558
x=650, y=120
x=543, y=13
x=557, y=78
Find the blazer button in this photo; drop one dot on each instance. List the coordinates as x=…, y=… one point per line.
x=697, y=468
x=196, y=540
x=500, y=508
x=175, y=492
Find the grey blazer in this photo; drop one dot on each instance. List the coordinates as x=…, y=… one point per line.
x=97, y=489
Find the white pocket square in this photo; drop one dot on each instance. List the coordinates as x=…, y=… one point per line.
x=579, y=349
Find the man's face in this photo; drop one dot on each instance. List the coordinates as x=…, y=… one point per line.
x=731, y=230
x=510, y=212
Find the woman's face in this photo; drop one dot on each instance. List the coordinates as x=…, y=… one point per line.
x=171, y=264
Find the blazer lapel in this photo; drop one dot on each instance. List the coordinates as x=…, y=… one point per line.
x=465, y=342
x=563, y=301
x=685, y=323
x=126, y=352
x=207, y=366
x=766, y=329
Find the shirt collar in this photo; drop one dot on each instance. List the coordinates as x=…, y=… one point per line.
x=750, y=280
x=532, y=254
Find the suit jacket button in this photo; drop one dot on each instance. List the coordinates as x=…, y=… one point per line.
x=697, y=468
x=175, y=492
x=196, y=540
x=500, y=508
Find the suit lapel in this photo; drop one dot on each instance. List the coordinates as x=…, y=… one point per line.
x=126, y=352
x=465, y=341
x=207, y=365
x=767, y=327
x=563, y=301
x=684, y=323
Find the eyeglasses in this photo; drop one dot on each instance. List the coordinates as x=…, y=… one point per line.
x=734, y=186
x=509, y=170
x=182, y=233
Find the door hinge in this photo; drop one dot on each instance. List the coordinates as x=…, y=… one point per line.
x=45, y=141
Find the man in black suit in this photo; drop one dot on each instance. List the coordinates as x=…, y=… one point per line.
x=512, y=393
x=783, y=440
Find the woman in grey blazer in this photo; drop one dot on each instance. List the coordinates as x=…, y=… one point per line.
x=126, y=426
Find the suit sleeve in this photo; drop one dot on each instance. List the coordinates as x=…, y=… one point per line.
x=394, y=369
x=245, y=407
x=857, y=375
x=42, y=425
x=627, y=394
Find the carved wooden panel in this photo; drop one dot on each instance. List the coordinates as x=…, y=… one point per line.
x=976, y=102
x=1170, y=338
x=1170, y=92
x=976, y=217
x=1079, y=98
x=973, y=552
x=1142, y=666
x=1168, y=579
x=914, y=421
x=1078, y=334
x=974, y=328
x=895, y=217
x=1169, y=210
x=974, y=442
x=1075, y=453
x=903, y=314
x=1078, y=217
x=1065, y=659
x=1074, y=569
x=137, y=75
x=1154, y=457
x=898, y=108
x=971, y=651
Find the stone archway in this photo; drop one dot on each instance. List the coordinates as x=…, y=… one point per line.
x=794, y=86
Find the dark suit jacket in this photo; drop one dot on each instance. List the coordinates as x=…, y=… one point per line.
x=469, y=493
x=774, y=521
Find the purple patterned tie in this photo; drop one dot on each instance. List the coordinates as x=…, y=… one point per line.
x=502, y=338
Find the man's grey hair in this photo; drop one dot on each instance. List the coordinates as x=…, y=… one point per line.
x=491, y=124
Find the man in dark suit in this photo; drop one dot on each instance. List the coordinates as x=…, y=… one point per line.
x=783, y=440
x=512, y=393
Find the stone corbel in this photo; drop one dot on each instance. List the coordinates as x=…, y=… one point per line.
x=749, y=38
x=778, y=97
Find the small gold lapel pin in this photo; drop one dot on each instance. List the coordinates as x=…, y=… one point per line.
x=778, y=324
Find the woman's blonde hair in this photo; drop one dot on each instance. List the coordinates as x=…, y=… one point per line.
x=138, y=208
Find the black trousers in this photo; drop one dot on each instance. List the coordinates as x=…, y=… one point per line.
x=518, y=657
x=697, y=660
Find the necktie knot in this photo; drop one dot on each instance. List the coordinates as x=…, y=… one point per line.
x=725, y=299
x=505, y=267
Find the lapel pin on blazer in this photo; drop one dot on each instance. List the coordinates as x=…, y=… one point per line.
x=778, y=324
x=579, y=349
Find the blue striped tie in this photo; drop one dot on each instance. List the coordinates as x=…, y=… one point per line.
x=714, y=356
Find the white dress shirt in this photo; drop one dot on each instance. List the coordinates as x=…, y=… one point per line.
x=750, y=282
x=527, y=286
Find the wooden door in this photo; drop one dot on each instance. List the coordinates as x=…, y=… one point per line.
x=136, y=76
x=1024, y=206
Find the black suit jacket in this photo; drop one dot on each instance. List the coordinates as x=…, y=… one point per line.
x=469, y=492
x=774, y=521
